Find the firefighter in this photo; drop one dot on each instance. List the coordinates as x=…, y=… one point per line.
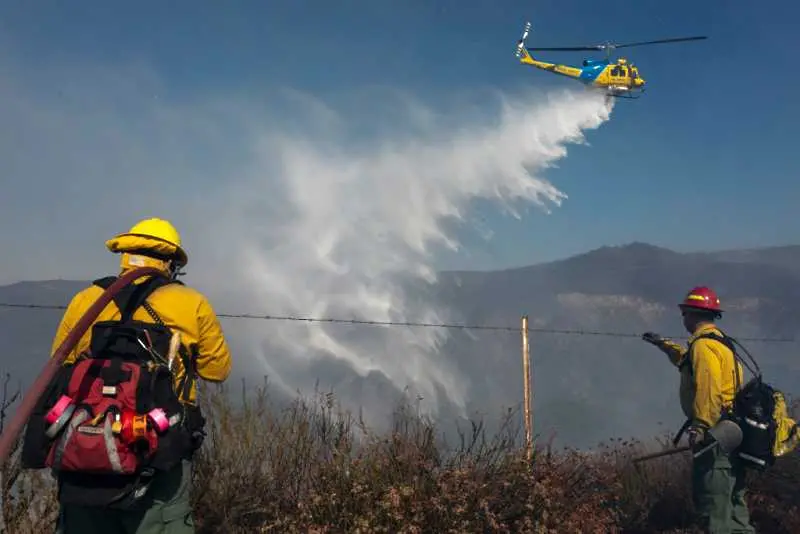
x=710, y=376
x=165, y=507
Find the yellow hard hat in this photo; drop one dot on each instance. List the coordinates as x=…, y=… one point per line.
x=156, y=235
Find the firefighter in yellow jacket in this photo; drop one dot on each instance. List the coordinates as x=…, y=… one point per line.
x=710, y=376
x=152, y=243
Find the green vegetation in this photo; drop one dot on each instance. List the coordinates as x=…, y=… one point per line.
x=311, y=467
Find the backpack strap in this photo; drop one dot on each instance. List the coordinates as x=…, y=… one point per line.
x=188, y=378
x=731, y=344
x=134, y=296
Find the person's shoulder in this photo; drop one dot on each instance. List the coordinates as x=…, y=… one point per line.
x=712, y=340
x=87, y=295
x=181, y=291
x=186, y=301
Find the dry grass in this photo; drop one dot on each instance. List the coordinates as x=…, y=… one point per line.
x=310, y=467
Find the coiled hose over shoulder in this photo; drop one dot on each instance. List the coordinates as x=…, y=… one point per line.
x=20, y=419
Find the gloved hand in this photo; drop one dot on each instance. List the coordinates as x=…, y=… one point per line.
x=696, y=435
x=653, y=338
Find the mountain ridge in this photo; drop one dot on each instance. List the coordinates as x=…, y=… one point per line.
x=777, y=254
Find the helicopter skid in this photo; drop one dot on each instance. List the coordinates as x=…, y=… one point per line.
x=623, y=92
x=628, y=96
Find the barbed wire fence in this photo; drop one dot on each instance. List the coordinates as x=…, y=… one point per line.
x=523, y=329
x=457, y=326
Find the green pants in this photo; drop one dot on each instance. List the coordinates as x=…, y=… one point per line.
x=718, y=490
x=166, y=509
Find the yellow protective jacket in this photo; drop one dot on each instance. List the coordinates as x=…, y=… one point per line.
x=708, y=378
x=181, y=308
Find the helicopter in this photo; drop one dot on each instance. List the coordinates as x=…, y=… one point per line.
x=619, y=79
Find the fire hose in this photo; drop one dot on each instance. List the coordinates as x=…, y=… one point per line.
x=30, y=399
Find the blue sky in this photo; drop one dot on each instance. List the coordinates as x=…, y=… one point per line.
x=702, y=161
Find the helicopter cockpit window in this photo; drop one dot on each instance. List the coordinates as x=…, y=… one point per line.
x=623, y=71
x=634, y=74
x=615, y=71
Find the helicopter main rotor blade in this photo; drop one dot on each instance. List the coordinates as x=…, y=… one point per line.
x=673, y=40
x=612, y=46
x=567, y=48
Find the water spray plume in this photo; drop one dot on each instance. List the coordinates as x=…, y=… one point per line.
x=341, y=229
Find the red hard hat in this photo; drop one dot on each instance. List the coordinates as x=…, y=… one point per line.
x=701, y=298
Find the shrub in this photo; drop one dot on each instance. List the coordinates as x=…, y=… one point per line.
x=311, y=467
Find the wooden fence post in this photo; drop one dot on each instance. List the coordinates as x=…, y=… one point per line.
x=526, y=380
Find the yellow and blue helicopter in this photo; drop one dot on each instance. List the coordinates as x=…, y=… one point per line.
x=617, y=79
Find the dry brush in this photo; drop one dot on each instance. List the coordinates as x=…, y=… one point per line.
x=311, y=467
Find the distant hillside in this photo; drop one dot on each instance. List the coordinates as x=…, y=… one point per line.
x=41, y=292
x=588, y=387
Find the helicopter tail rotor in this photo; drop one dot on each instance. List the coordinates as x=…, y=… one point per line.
x=521, y=42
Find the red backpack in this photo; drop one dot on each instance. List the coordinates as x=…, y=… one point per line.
x=113, y=419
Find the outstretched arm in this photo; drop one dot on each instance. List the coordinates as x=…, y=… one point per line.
x=674, y=351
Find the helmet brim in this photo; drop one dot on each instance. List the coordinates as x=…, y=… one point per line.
x=689, y=307
x=129, y=242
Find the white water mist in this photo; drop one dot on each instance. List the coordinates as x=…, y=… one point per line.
x=334, y=228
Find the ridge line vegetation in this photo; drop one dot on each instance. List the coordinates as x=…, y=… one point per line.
x=311, y=467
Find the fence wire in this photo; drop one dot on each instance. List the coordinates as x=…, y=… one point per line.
x=501, y=328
